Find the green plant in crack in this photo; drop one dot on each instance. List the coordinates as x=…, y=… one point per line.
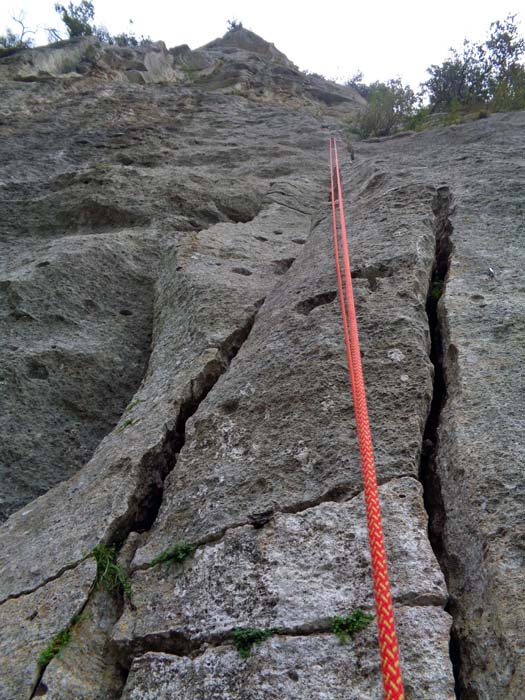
x=55, y=646
x=345, y=627
x=110, y=574
x=244, y=639
x=175, y=554
x=127, y=423
x=437, y=288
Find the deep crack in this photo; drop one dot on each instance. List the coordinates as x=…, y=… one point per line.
x=340, y=493
x=39, y=687
x=443, y=208
x=164, y=458
x=144, y=511
x=179, y=644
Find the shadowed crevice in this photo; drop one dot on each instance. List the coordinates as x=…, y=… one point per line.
x=306, y=306
x=443, y=208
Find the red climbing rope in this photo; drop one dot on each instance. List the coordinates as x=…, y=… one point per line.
x=388, y=646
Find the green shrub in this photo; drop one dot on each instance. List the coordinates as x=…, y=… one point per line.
x=417, y=122
x=356, y=82
x=125, y=39
x=77, y=18
x=390, y=104
x=488, y=74
x=110, y=574
x=175, y=554
x=234, y=24
x=55, y=646
x=244, y=639
x=346, y=627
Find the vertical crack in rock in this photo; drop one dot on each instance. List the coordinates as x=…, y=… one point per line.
x=39, y=688
x=147, y=507
x=108, y=606
x=443, y=208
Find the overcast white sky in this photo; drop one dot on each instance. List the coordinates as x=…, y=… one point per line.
x=384, y=39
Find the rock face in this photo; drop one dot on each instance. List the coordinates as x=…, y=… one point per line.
x=315, y=666
x=476, y=493
x=30, y=622
x=172, y=347
x=240, y=63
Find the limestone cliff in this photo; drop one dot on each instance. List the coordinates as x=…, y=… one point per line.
x=173, y=372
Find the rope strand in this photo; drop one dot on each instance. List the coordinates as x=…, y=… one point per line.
x=388, y=646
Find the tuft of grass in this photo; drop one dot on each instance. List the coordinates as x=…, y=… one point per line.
x=175, y=554
x=346, y=627
x=128, y=422
x=244, y=639
x=132, y=404
x=110, y=574
x=55, y=646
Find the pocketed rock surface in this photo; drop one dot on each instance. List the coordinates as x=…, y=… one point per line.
x=173, y=370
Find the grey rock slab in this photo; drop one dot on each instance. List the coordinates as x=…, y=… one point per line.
x=192, y=338
x=277, y=432
x=295, y=573
x=85, y=208
x=86, y=669
x=84, y=56
x=30, y=622
x=75, y=321
x=480, y=454
x=173, y=159
x=294, y=668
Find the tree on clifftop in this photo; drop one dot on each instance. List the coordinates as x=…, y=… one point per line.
x=77, y=18
x=490, y=73
x=390, y=104
x=11, y=42
x=234, y=24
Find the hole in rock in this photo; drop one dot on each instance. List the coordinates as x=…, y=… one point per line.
x=36, y=370
x=306, y=306
x=90, y=305
x=282, y=266
x=41, y=690
x=230, y=406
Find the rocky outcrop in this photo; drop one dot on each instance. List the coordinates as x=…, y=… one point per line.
x=475, y=483
x=169, y=305
x=240, y=63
